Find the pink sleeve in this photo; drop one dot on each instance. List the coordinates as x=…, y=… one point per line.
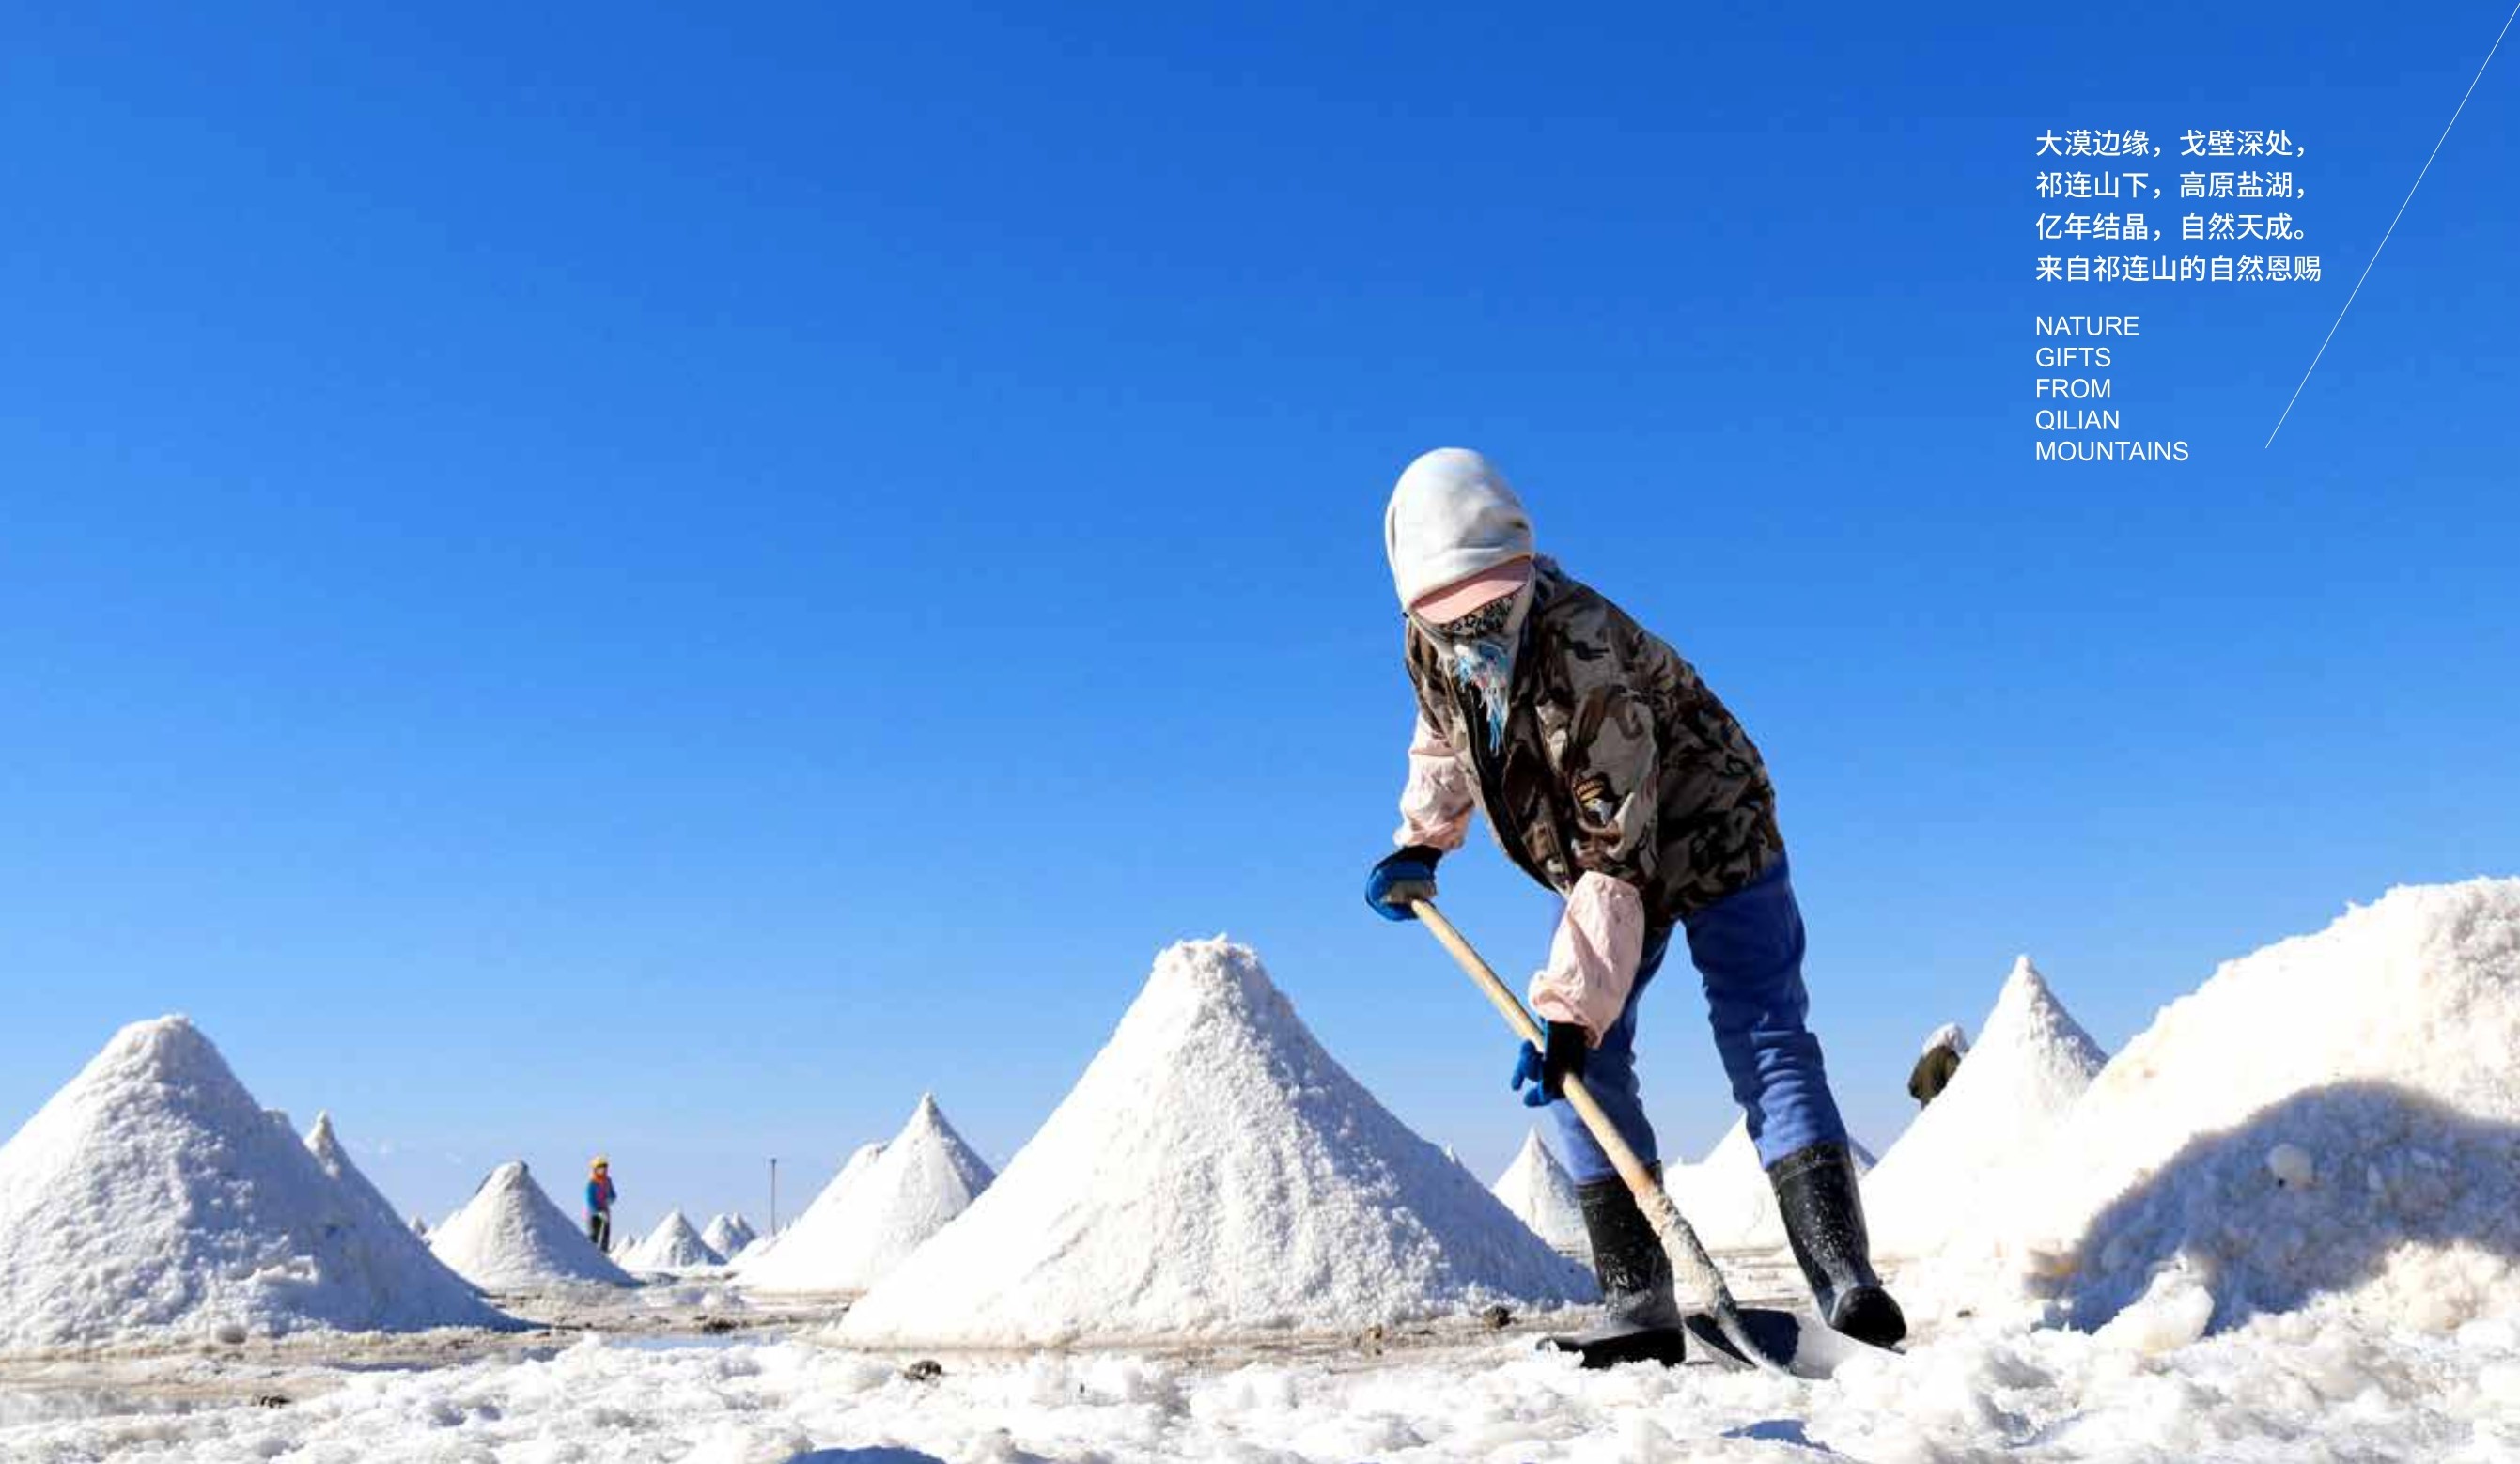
x=1593, y=960
x=1436, y=805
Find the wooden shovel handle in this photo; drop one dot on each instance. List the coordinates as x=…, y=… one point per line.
x=1622, y=1157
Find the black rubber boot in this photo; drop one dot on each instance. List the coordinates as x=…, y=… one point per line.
x=1824, y=1222
x=1641, y=1319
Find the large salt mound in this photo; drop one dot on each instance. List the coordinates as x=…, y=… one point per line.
x=1726, y=1197
x=1537, y=1188
x=673, y=1246
x=2333, y=1120
x=2031, y=1063
x=1215, y=1171
x=153, y=1200
x=729, y=1234
x=510, y=1237
x=922, y=1178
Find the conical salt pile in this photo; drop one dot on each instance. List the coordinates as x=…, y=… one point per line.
x=1726, y=1197
x=833, y=1195
x=2332, y=1122
x=673, y=1246
x=817, y=1215
x=1215, y=1171
x=924, y=1177
x=152, y=1197
x=1537, y=1190
x=511, y=1238
x=326, y=1146
x=2031, y=1063
x=729, y=1234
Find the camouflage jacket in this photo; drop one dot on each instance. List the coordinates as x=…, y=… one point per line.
x=1617, y=760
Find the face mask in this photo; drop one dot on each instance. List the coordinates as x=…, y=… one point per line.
x=1487, y=623
x=1481, y=646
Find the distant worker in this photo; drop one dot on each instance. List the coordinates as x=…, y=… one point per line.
x=600, y=1194
x=1935, y=1065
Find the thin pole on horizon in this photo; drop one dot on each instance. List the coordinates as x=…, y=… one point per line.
x=774, y=1194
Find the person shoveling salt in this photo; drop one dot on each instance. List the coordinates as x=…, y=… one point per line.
x=1616, y=778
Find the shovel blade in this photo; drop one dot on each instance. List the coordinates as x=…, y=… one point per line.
x=1806, y=1346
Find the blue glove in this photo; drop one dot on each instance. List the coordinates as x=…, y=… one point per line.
x=1404, y=875
x=1546, y=1072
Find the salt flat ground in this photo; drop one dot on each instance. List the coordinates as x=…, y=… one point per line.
x=638, y=1380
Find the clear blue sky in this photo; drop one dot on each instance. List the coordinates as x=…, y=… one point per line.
x=584, y=576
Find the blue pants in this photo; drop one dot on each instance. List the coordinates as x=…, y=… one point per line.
x=1748, y=949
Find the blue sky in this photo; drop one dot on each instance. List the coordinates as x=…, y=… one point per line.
x=603, y=578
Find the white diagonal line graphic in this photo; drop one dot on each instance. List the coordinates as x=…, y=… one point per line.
x=2393, y=223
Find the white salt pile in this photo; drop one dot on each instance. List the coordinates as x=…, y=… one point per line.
x=1214, y=1172
x=2333, y=1121
x=510, y=1237
x=324, y=1144
x=1727, y=1197
x=673, y=1246
x=819, y=1219
x=834, y=1196
x=152, y=1200
x=729, y=1234
x=922, y=1177
x=2001, y=1112
x=1537, y=1188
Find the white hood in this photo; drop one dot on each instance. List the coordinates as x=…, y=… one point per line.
x=1452, y=515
